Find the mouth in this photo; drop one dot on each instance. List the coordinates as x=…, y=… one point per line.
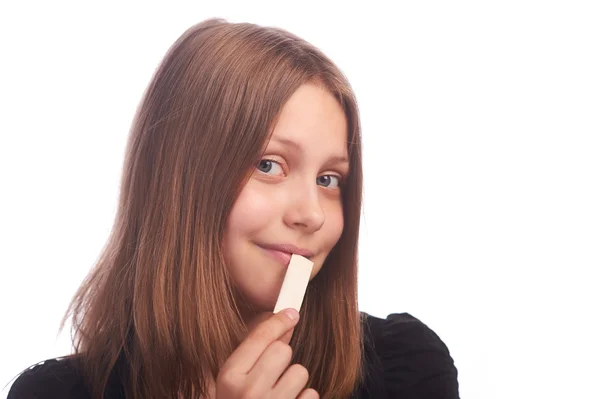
x=283, y=252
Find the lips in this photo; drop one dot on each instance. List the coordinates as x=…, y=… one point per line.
x=281, y=257
x=283, y=252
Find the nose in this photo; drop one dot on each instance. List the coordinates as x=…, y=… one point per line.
x=304, y=210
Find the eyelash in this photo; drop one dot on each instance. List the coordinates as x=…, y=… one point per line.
x=341, y=178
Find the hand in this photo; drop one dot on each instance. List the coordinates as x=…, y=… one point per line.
x=255, y=368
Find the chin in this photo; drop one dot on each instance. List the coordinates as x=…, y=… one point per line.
x=260, y=303
x=259, y=299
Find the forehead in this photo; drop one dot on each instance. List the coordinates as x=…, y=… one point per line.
x=312, y=117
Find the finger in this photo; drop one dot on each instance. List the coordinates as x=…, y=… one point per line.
x=292, y=382
x=287, y=337
x=271, y=364
x=246, y=355
x=309, y=394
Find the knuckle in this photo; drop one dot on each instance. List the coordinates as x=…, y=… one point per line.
x=282, y=349
x=313, y=394
x=252, y=392
x=300, y=372
x=226, y=378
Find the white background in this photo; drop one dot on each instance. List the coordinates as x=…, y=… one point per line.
x=481, y=125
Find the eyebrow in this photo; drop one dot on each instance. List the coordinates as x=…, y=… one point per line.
x=297, y=147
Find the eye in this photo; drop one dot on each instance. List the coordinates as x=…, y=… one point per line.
x=267, y=166
x=329, y=181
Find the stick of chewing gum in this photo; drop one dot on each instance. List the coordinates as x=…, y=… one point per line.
x=294, y=284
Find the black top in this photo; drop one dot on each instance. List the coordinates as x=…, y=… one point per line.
x=404, y=359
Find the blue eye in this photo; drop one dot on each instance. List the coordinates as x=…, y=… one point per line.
x=267, y=166
x=329, y=181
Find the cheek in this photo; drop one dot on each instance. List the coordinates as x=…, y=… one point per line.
x=250, y=212
x=336, y=223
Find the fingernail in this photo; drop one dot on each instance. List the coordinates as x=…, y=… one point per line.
x=292, y=314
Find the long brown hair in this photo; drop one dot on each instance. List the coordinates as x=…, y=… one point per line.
x=159, y=297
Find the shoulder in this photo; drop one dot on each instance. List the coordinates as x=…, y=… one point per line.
x=52, y=378
x=412, y=359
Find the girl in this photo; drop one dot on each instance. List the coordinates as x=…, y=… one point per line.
x=245, y=149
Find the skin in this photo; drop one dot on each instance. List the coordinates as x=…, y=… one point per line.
x=258, y=368
x=293, y=197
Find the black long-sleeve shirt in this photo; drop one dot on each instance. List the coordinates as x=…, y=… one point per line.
x=403, y=358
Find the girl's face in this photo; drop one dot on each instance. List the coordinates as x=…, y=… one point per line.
x=293, y=199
